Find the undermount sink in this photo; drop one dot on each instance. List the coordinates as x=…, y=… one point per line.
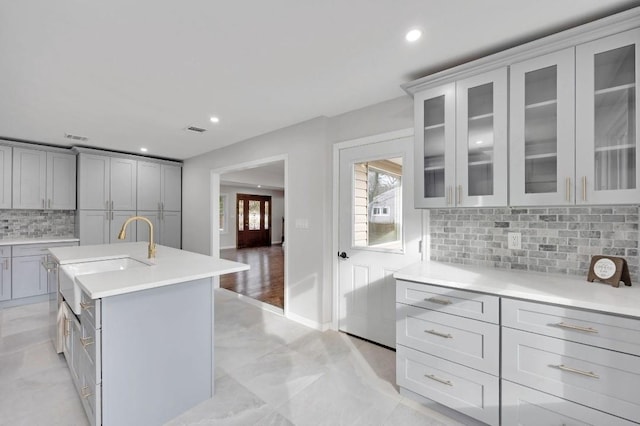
x=67, y=273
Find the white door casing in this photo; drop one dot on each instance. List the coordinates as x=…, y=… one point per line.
x=366, y=287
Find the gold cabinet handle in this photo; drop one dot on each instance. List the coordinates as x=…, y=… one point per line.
x=584, y=188
x=459, y=194
x=86, y=341
x=448, y=196
x=576, y=327
x=576, y=371
x=438, y=379
x=437, y=333
x=85, y=392
x=86, y=306
x=568, y=189
x=438, y=301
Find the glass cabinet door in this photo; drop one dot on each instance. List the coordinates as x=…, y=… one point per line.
x=435, y=146
x=481, y=140
x=542, y=130
x=606, y=120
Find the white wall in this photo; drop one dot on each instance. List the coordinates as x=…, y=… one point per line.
x=228, y=238
x=308, y=147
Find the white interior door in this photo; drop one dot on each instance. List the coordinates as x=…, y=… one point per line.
x=379, y=233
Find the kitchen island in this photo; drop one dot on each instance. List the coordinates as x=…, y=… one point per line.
x=137, y=333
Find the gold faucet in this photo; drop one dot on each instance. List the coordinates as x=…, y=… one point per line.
x=123, y=233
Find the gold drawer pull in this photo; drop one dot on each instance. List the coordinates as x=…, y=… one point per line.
x=85, y=392
x=438, y=301
x=86, y=341
x=436, y=333
x=576, y=371
x=576, y=327
x=437, y=379
x=86, y=306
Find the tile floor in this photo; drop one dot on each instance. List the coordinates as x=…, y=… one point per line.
x=269, y=371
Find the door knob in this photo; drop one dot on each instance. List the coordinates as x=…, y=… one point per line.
x=343, y=255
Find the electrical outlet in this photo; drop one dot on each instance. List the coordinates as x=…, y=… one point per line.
x=514, y=240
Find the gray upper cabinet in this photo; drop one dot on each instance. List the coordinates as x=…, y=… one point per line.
x=106, y=183
x=5, y=177
x=43, y=180
x=607, y=93
x=542, y=139
x=159, y=186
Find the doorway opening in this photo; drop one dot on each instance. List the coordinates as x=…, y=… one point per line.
x=252, y=218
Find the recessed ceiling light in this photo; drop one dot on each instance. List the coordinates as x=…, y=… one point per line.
x=478, y=142
x=413, y=35
x=259, y=186
x=214, y=119
x=144, y=149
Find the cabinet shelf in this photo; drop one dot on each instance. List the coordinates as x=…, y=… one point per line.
x=542, y=104
x=615, y=147
x=433, y=168
x=481, y=117
x=434, y=126
x=615, y=89
x=480, y=163
x=540, y=156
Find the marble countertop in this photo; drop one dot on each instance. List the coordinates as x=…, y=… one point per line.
x=46, y=240
x=549, y=288
x=170, y=266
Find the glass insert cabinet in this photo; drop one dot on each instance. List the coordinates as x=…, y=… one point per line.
x=572, y=139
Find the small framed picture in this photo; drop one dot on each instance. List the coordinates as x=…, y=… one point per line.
x=609, y=269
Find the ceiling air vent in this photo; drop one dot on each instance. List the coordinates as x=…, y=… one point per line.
x=196, y=129
x=76, y=137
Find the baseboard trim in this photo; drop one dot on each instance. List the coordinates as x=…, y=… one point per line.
x=254, y=302
x=307, y=322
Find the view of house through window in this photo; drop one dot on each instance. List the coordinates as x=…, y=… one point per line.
x=377, y=207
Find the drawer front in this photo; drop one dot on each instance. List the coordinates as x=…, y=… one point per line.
x=458, y=302
x=462, y=340
x=90, y=394
x=602, y=330
x=523, y=406
x=5, y=251
x=598, y=378
x=464, y=389
x=91, y=341
x=90, y=310
x=38, y=249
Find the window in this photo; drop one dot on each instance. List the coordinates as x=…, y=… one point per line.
x=223, y=214
x=377, y=212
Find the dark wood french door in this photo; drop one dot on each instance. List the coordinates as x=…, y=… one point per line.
x=253, y=219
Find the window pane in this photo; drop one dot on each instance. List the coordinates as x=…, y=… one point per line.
x=377, y=204
x=266, y=215
x=240, y=215
x=480, y=140
x=254, y=215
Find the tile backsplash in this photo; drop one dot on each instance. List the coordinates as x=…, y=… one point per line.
x=554, y=239
x=18, y=224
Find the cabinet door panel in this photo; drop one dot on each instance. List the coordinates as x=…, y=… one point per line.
x=93, y=182
x=27, y=277
x=148, y=186
x=607, y=93
x=5, y=177
x=61, y=181
x=542, y=142
x=117, y=220
x=5, y=276
x=94, y=227
x=123, y=184
x=29, y=178
x=143, y=227
x=171, y=229
x=481, y=140
x=435, y=147
x=171, y=188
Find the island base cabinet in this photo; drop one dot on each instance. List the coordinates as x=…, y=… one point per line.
x=523, y=406
x=460, y=388
x=157, y=353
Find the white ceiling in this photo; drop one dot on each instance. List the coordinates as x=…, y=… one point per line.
x=129, y=74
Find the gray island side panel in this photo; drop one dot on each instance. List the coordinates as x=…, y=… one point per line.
x=157, y=353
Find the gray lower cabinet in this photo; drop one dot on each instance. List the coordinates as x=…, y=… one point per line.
x=554, y=364
x=29, y=278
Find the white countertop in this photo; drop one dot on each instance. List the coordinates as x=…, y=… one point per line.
x=47, y=240
x=170, y=266
x=549, y=288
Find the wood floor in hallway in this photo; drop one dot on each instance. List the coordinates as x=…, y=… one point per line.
x=264, y=281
